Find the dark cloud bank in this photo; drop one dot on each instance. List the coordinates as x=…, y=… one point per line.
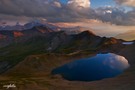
x=54, y=11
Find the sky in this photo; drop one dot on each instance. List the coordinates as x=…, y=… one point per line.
x=96, y=3
x=113, y=13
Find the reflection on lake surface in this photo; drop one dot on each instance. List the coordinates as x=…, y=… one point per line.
x=128, y=43
x=95, y=68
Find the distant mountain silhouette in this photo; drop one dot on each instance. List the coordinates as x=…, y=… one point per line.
x=130, y=35
x=28, y=25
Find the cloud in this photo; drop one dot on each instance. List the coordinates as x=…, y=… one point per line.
x=52, y=10
x=57, y=4
x=55, y=11
x=79, y=3
x=11, y=19
x=115, y=15
x=28, y=7
x=126, y=2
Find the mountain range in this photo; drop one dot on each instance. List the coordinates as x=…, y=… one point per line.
x=26, y=26
x=37, y=23
x=42, y=39
x=28, y=56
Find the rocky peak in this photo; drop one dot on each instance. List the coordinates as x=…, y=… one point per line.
x=17, y=33
x=87, y=33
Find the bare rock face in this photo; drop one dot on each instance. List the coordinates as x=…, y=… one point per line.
x=10, y=36
x=17, y=34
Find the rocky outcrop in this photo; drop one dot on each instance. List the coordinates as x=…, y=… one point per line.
x=10, y=36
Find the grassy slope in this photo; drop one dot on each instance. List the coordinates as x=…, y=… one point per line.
x=37, y=69
x=16, y=52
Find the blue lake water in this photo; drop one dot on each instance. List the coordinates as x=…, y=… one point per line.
x=94, y=68
x=128, y=43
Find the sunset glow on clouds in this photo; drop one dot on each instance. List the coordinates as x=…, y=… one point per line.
x=79, y=3
x=71, y=11
x=98, y=27
x=126, y=2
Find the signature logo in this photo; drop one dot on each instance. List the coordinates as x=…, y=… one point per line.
x=9, y=86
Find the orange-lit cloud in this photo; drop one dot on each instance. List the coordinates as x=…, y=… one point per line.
x=126, y=2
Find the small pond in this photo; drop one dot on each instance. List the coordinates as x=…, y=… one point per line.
x=94, y=68
x=128, y=43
